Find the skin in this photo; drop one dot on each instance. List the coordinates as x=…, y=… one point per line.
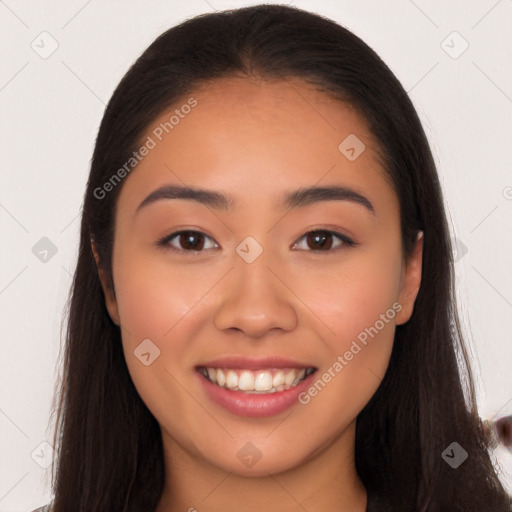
x=254, y=140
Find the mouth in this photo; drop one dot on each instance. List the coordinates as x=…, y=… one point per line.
x=255, y=381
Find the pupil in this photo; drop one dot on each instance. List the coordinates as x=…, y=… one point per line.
x=187, y=241
x=320, y=238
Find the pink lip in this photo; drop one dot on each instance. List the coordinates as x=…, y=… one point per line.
x=254, y=405
x=234, y=362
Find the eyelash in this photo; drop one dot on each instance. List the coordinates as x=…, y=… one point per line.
x=165, y=241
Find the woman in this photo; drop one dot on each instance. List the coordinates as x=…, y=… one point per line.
x=263, y=312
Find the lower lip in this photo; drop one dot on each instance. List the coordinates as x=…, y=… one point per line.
x=254, y=405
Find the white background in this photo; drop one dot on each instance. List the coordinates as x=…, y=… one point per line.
x=50, y=112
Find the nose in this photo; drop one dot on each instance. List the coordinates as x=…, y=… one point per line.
x=256, y=299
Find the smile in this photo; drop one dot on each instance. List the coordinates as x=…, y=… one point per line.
x=261, y=381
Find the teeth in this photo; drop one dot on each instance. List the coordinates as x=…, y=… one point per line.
x=231, y=379
x=246, y=381
x=299, y=377
x=278, y=379
x=289, y=378
x=263, y=381
x=257, y=381
x=212, y=374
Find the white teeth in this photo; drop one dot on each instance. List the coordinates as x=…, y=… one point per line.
x=257, y=381
x=221, y=379
x=231, y=379
x=212, y=373
x=289, y=378
x=263, y=381
x=278, y=379
x=246, y=381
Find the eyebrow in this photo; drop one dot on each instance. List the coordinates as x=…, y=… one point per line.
x=293, y=199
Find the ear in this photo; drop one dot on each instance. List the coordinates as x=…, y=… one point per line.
x=108, y=292
x=410, y=282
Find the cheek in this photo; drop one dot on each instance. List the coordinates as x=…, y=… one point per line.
x=360, y=310
x=154, y=297
x=158, y=304
x=358, y=302
x=354, y=295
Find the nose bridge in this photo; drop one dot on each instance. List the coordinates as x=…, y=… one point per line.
x=253, y=299
x=252, y=274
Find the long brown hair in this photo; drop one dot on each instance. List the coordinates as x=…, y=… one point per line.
x=109, y=454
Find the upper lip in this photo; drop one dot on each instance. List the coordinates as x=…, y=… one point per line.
x=250, y=363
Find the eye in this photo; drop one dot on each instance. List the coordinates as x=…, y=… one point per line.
x=323, y=240
x=191, y=241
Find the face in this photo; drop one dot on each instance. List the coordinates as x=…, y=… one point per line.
x=267, y=286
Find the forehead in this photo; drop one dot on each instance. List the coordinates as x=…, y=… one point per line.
x=255, y=93
x=288, y=104
x=250, y=136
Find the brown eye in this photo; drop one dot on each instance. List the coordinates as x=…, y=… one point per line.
x=322, y=241
x=185, y=241
x=319, y=240
x=191, y=240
